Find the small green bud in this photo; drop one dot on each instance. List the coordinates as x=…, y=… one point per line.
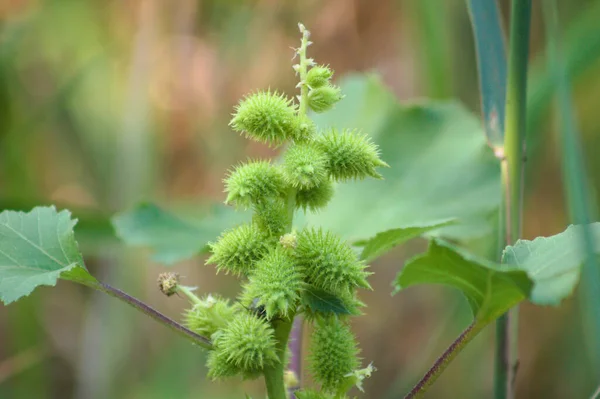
x=318, y=76
x=288, y=241
x=304, y=166
x=351, y=155
x=333, y=353
x=168, y=282
x=266, y=117
x=213, y=313
x=305, y=129
x=276, y=282
x=252, y=182
x=329, y=263
x=238, y=249
x=315, y=198
x=247, y=344
x=270, y=216
x=324, y=98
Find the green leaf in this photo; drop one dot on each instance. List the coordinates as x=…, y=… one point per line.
x=171, y=238
x=37, y=248
x=441, y=167
x=552, y=263
x=321, y=301
x=490, y=289
x=385, y=241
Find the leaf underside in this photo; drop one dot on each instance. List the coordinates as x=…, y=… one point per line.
x=490, y=289
x=545, y=271
x=553, y=263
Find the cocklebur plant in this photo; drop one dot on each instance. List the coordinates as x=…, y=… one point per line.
x=283, y=269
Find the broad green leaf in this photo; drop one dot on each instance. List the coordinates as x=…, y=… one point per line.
x=490, y=289
x=324, y=302
x=37, y=248
x=385, y=241
x=552, y=263
x=441, y=167
x=171, y=238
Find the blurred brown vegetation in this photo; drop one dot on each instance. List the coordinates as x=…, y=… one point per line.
x=105, y=103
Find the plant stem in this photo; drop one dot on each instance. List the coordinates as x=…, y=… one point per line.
x=442, y=362
x=188, y=292
x=574, y=181
x=149, y=311
x=274, y=374
x=296, y=353
x=303, y=70
x=512, y=165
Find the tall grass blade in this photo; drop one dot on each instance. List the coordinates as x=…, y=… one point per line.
x=491, y=62
x=574, y=180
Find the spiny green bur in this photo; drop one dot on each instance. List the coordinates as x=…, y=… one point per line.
x=286, y=272
x=333, y=355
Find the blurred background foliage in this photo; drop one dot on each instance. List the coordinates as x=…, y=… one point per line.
x=106, y=103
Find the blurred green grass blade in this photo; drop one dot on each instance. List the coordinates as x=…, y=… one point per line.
x=581, y=50
x=491, y=62
x=507, y=331
x=431, y=25
x=574, y=180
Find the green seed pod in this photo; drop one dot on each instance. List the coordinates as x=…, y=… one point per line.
x=351, y=155
x=333, y=353
x=266, y=117
x=219, y=365
x=304, y=166
x=246, y=344
x=329, y=263
x=252, y=182
x=324, y=98
x=318, y=76
x=312, y=394
x=315, y=198
x=213, y=313
x=238, y=249
x=270, y=216
x=276, y=283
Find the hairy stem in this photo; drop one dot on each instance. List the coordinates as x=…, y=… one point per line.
x=189, y=293
x=149, y=311
x=274, y=375
x=513, y=162
x=443, y=361
x=303, y=70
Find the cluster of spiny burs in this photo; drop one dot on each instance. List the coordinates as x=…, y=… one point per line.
x=285, y=272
